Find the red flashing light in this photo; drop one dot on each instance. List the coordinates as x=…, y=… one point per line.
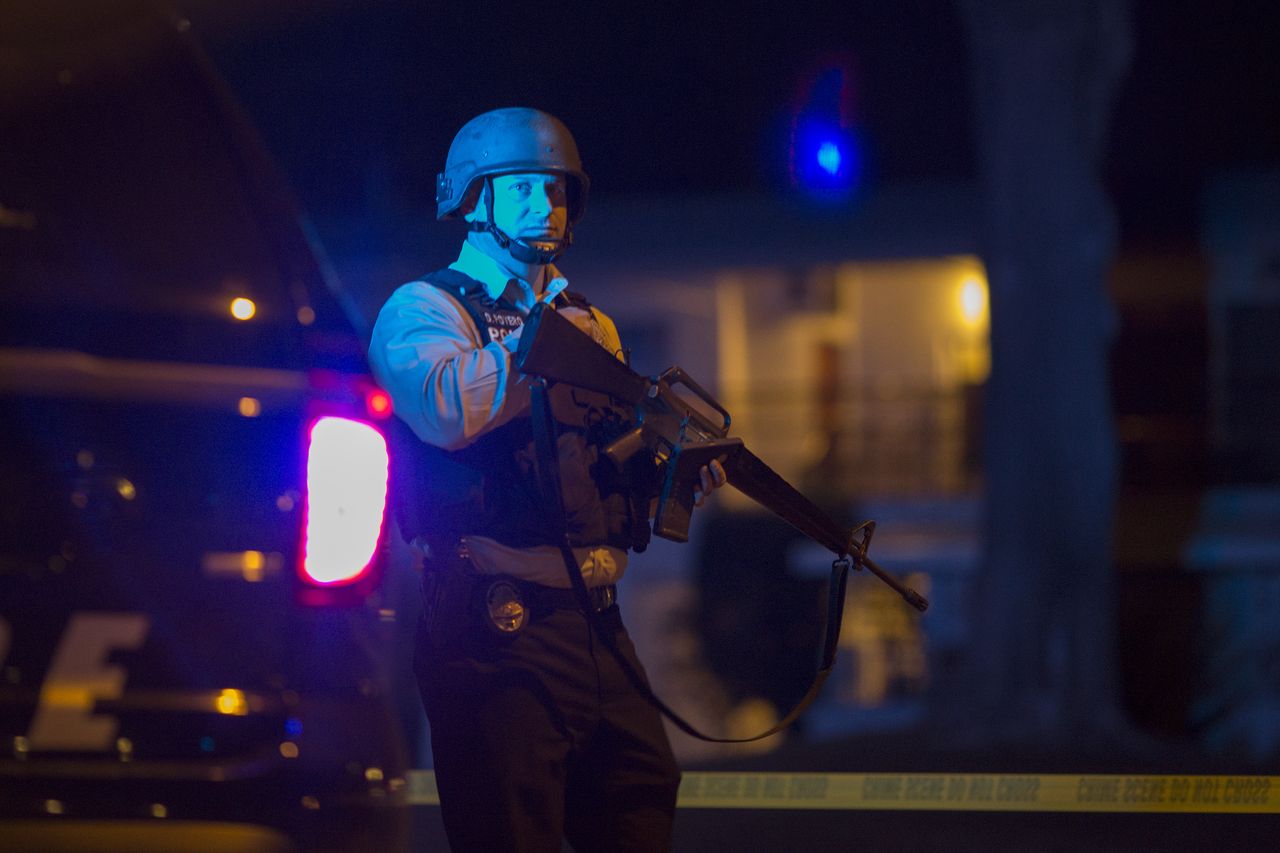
x=378, y=403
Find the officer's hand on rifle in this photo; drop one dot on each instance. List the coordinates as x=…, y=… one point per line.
x=712, y=477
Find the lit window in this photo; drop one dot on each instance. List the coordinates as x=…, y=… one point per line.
x=973, y=300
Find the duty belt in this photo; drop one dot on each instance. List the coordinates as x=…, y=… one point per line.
x=551, y=598
x=509, y=603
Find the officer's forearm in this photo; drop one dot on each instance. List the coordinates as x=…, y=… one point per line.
x=470, y=395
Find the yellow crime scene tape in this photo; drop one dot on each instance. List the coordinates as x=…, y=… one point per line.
x=988, y=792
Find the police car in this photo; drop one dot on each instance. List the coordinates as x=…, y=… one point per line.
x=192, y=472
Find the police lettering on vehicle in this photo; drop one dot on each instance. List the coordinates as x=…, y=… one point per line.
x=79, y=677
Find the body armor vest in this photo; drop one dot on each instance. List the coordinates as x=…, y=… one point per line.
x=491, y=487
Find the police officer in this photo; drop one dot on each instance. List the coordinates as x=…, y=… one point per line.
x=537, y=731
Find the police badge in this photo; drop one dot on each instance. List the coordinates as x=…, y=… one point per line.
x=508, y=614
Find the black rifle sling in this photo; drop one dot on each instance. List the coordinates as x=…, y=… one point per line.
x=545, y=440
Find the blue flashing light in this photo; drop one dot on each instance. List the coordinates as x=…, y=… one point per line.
x=829, y=157
x=826, y=160
x=827, y=153
x=293, y=727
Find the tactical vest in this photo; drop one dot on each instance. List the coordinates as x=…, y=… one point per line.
x=490, y=487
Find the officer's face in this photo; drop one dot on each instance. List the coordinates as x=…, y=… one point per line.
x=532, y=206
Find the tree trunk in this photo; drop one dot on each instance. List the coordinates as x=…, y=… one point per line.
x=1044, y=76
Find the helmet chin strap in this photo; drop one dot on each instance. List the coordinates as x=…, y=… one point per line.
x=518, y=249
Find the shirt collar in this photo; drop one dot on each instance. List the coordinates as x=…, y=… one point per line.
x=476, y=264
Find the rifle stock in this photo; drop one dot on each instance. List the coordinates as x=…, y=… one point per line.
x=558, y=351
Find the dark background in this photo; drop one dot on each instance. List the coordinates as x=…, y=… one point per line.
x=359, y=101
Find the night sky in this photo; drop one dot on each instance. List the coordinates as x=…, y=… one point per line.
x=358, y=101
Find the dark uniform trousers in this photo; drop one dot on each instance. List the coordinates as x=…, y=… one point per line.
x=539, y=736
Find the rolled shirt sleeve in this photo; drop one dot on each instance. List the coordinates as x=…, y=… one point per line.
x=446, y=383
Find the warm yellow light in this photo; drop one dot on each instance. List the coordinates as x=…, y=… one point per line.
x=289, y=749
x=254, y=563
x=242, y=308
x=252, y=566
x=249, y=407
x=973, y=300
x=126, y=489
x=232, y=702
x=66, y=695
x=306, y=315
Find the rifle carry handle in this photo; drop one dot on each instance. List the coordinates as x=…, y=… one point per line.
x=674, y=376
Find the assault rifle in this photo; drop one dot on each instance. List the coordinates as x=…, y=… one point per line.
x=682, y=437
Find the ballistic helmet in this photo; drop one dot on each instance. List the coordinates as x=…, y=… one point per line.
x=513, y=139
